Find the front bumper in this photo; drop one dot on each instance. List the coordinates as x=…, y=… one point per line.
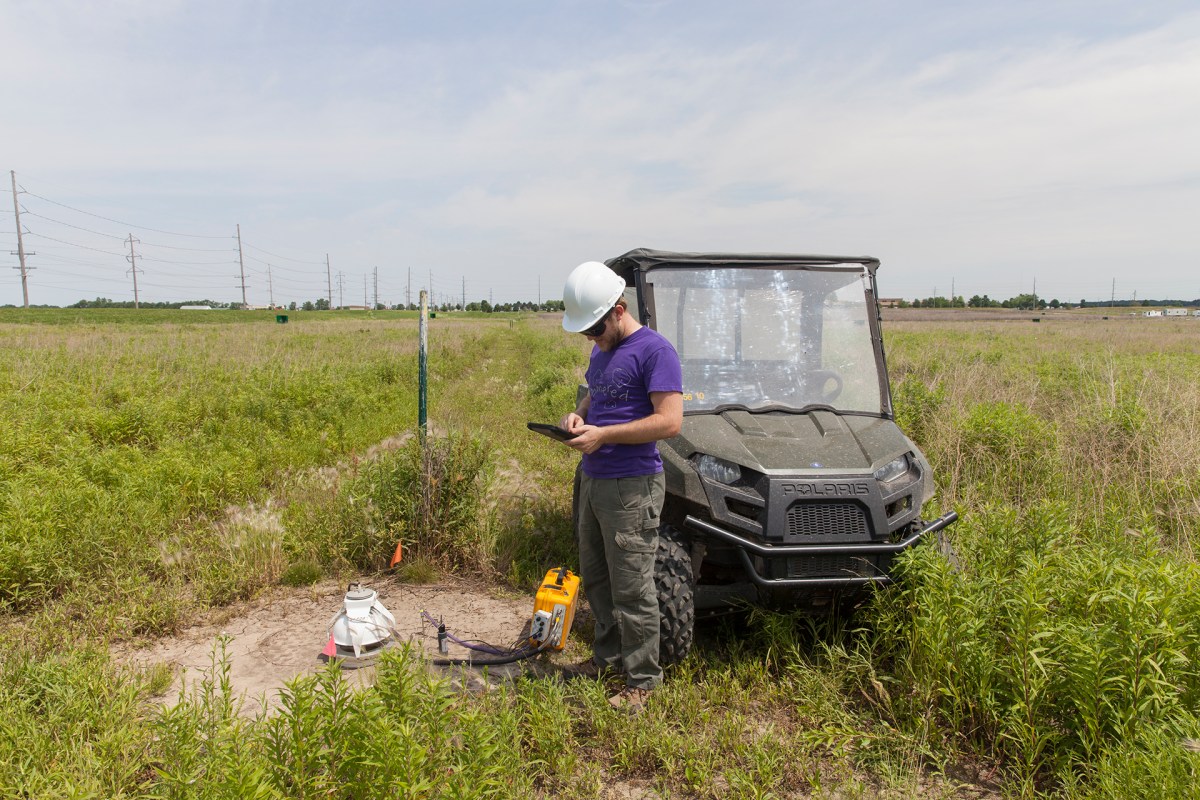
x=745, y=547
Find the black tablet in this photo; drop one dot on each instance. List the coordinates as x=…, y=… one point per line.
x=553, y=431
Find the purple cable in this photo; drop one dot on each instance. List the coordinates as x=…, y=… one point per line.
x=482, y=648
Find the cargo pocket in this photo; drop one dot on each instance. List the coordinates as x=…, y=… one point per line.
x=643, y=541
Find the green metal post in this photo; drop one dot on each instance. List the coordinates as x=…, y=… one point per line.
x=423, y=366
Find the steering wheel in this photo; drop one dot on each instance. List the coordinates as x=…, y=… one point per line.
x=828, y=382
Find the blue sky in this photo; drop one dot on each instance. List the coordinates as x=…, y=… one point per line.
x=498, y=144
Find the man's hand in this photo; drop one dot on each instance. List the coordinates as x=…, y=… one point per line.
x=572, y=422
x=589, y=439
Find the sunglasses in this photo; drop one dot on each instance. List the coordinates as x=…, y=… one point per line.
x=599, y=327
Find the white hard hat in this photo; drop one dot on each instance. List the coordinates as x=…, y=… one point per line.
x=591, y=290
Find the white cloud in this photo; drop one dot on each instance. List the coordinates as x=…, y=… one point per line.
x=1061, y=155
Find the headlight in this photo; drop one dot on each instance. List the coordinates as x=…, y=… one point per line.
x=718, y=469
x=892, y=470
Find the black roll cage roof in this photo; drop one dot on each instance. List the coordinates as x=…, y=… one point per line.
x=634, y=265
x=646, y=259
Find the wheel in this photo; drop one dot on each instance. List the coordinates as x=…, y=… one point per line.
x=675, y=588
x=828, y=383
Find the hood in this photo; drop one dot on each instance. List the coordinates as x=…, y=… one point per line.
x=820, y=442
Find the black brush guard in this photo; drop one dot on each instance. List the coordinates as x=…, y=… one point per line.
x=746, y=546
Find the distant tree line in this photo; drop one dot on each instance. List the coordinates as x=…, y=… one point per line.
x=1031, y=302
x=322, y=304
x=1138, y=303
x=1021, y=301
x=104, y=302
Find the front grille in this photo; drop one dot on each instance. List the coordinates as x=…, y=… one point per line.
x=827, y=519
x=834, y=566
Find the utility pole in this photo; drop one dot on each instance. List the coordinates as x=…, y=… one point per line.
x=270, y=286
x=464, y=293
x=133, y=267
x=1112, y=300
x=341, y=289
x=377, y=287
x=952, y=292
x=539, y=291
x=408, y=291
x=432, y=303
x=328, y=282
x=20, y=243
x=242, y=266
x=365, y=290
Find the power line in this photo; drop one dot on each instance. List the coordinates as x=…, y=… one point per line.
x=117, y=221
x=186, y=263
x=75, y=244
x=69, y=225
x=286, y=258
x=278, y=266
x=119, y=239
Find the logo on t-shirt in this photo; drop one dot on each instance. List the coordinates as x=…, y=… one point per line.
x=613, y=387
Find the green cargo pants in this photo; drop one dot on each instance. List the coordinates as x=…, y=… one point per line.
x=618, y=537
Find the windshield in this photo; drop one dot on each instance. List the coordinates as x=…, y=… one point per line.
x=762, y=337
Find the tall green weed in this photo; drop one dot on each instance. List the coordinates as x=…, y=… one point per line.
x=1050, y=648
x=428, y=494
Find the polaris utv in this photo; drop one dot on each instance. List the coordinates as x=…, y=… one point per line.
x=790, y=484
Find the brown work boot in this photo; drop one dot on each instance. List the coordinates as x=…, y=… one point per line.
x=588, y=669
x=631, y=699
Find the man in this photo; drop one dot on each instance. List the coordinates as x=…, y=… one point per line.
x=634, y=398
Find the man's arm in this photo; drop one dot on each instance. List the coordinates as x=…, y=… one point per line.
x=663, y=422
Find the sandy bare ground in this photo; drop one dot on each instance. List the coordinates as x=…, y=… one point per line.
x=279, y=636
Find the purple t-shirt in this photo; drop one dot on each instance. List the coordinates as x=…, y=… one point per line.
x=619, y=385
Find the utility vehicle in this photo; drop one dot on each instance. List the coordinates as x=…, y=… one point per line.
x=790, y=483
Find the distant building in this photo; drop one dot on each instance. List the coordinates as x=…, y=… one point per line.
x=1153, y=313
x=195, y=308
x=1177, y=312
x=890, y=302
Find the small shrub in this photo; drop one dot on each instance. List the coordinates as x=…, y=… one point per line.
x=1159, y=762
x=302, y=573
x=417, y=570
x=428, y=494
x=918, y=407
x=1006, y=447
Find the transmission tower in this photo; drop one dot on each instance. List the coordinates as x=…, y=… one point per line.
x=242, y=267
x=20, y=253
x=328, y=281
x=133, y=267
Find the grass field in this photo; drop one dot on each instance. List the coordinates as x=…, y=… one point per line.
x=156, y=464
